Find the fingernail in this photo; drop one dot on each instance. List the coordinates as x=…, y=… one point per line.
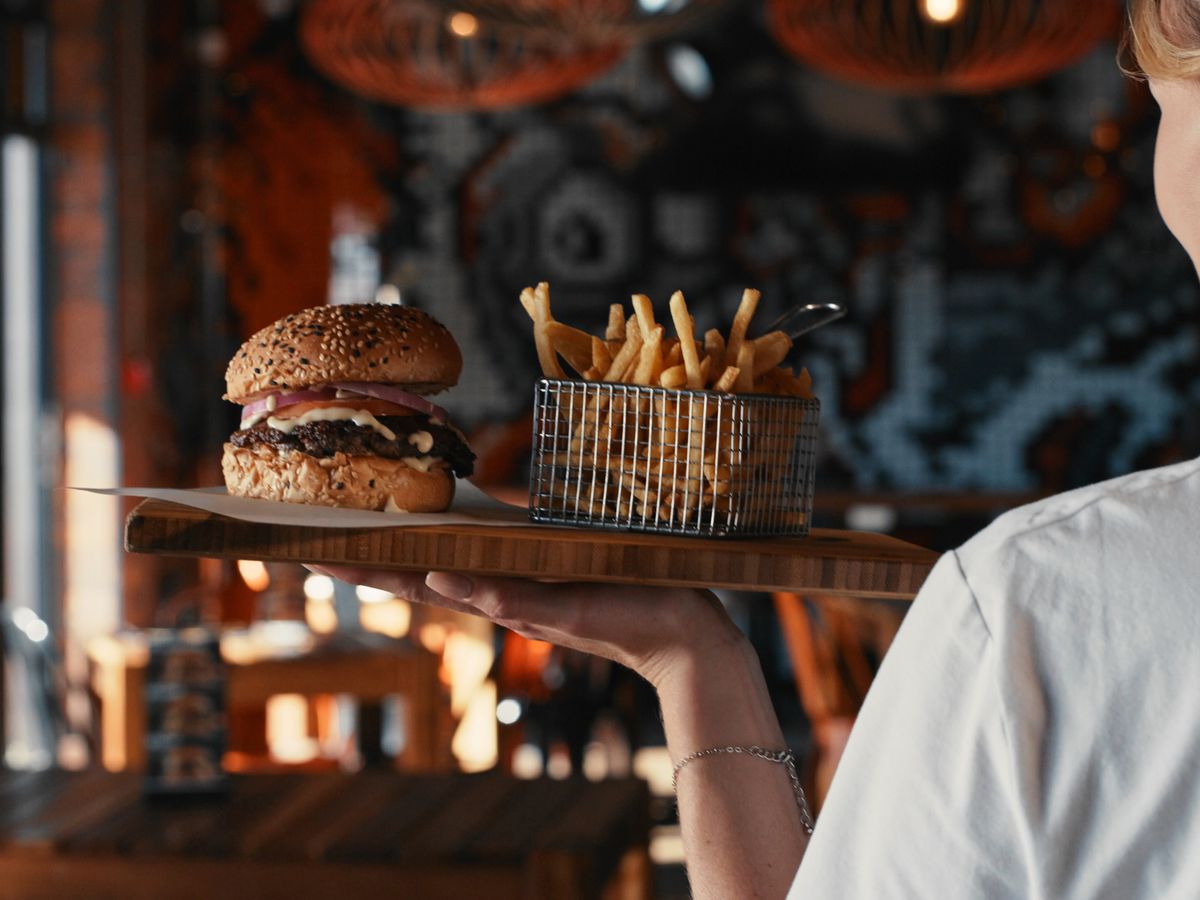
x=450, y=585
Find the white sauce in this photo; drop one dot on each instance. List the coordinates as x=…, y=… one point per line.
x=421, y=463
x=331, y=414
x=251, y=421
x=422, y=440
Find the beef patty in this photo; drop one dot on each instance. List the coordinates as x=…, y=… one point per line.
x=323, y=439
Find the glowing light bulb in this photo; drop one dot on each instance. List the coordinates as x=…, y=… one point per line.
x=942, y=12
x=508, y=711
x=254, y=573
x=319, y=588
x=463, y=24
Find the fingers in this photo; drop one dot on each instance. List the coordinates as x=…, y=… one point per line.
x=406, y=585
x=629, y=624
x=515, y=604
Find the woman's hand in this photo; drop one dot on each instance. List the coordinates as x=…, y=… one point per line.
x=654, y=631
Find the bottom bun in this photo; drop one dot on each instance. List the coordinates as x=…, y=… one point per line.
x=358, y=482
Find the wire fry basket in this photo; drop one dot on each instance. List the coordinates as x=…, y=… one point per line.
x=674, y=462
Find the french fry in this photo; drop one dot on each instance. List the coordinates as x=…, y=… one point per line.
x=571, y=344
x=601, y=355
x=645, y=313
x=594, y=373
x=673, y=355
x=769, y=351
x=687, y=340
x=803, y=385
x=714, y=344
x=527, y=302
x=616, y=323
x=745, y=364
x=727, y=380
x=541, y=337
x=629, y=351
x=674, y=377
x=775, y=382
x=649, y=365
x=741, y=322
x=714, y=354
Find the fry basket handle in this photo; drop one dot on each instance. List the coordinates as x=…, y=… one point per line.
x=802, y=319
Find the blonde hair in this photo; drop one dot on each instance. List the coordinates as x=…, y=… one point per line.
x=1163, y=40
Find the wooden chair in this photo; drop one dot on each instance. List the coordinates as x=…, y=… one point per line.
x=835, y=644
x=368, y=673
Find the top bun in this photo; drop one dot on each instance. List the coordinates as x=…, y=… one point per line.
x=378, y=342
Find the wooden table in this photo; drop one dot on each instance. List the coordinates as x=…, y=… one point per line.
x=369, y=674
x=367, y=835
x=829, y=561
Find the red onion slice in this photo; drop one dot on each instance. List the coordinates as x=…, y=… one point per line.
x=362, y=388
x=393, y=395
x=284, y=400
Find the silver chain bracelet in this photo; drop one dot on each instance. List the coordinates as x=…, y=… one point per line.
x=786, y=757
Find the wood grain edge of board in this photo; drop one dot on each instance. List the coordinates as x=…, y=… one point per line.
x=884, y=568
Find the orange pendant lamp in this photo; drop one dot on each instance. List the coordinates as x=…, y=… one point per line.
x=415, y=53
x=623, y=21
x=941, y=46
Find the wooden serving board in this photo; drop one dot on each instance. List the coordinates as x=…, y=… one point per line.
x=827, y=561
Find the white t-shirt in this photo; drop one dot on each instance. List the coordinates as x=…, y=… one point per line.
x=1034, y=731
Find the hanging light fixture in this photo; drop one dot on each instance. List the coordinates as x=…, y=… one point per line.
x=595, y=21
x=926, y=46
x=418, y=53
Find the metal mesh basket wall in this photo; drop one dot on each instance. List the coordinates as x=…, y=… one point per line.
x=678, y=462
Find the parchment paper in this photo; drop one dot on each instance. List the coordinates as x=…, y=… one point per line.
x=471, y=506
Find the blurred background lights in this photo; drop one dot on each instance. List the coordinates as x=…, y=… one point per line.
x=508, y=711
x=463, y=24
x=254, y=573
x=690, y=71
x=319, y=588
x=942, y=11
x=392, y=618
x=31, y=624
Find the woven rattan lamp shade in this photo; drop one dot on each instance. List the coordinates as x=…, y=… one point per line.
x=404, y=52
x=621, y=21
x=895, y=45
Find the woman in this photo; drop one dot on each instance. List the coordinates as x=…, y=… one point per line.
x=1034, y=730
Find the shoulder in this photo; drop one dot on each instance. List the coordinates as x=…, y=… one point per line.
x=1084, y=540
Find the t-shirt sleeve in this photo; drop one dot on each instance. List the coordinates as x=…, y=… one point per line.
x=923, y=804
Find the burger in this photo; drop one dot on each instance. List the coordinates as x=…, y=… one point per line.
x=334, y=411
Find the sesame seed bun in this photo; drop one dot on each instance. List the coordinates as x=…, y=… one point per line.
x=376, y=342
x=357, y=482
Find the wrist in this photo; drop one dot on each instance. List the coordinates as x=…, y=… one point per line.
x=711, y=691
x=704, y=639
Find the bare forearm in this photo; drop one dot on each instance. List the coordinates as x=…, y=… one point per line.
x=741, y=826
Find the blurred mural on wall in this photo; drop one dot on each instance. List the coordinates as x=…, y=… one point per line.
x=1021, y=321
